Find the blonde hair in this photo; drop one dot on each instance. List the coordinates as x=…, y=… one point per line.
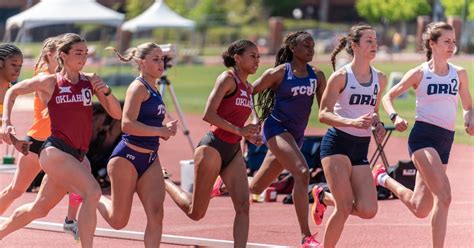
x=135, y=53
x=49, y=46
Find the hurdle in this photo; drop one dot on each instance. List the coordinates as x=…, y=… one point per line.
x=138, y=236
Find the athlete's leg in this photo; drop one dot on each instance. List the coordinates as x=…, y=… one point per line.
x=266, y=174
x=235, y=179
x=207, y=165
x=59, y=165
x=286, y=151
x=365, y=193
x=337, y=170
x=123, y=182
x=151, y=190
x=75, y=199
x=49, y=195
x=27, y=169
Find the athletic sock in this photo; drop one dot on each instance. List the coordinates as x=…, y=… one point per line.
x=381, y=179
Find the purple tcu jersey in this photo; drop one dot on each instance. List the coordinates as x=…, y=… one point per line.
x=152, y=113
x=294, y=97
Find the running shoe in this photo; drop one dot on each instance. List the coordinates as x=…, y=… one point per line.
x=311, y=242
x=377, y=171
x=318, y=208
x=71, y=228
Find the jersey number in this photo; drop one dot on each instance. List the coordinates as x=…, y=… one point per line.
x=86, y=97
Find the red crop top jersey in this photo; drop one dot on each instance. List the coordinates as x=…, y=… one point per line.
x=236, y=109
x=70, y=110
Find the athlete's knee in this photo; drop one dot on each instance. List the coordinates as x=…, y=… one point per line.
x=302, y=174
x=196, y=214
x=422, y=212
x=92, y=194
x=344, y=208
x=443, y=198
x=242, y=206
x=118, y=223
x=367, y=211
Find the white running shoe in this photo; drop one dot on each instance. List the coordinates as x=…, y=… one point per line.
x=72, y=229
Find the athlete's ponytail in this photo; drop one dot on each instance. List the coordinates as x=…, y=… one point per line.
x=135, y=53
x=353, y=36
x=49, y=46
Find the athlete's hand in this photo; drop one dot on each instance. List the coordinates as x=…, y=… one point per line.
x=379, y=132
x=20, y=145
x=469, y=128
x=363, y=122
x=170, y=129
x=255, y=139
x=98, y=84
x=249, y=130
x=7, y=129
x=400, y=124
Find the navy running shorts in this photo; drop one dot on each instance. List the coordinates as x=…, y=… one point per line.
x=63, y=146
x=35, y=146
x=424, y=135
x=273, y=127
x=355, y=148
x=140, y=160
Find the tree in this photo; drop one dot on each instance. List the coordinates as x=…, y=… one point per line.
x=392, y=10
x=136, y=7
x=241, y=12
x=455, y=8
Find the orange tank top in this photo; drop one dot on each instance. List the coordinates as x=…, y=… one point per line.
x=41, y=128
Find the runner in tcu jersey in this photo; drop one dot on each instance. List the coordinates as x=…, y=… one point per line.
x=286, y=98
x=134, y=165
x=350, y=105
x=68, y=95
x=218, y=153
x=437, y=84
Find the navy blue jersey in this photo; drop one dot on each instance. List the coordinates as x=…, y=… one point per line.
x=152, y=113
x=294, y=97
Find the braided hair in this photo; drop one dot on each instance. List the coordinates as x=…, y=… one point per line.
x=8, y=50
x=432, y=33
x=135, y=53
x=353, y=36
x=266, y=99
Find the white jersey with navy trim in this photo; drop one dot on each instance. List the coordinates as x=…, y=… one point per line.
x=356, y=100
x=437, y=98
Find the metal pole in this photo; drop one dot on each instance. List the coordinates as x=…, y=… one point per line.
x=164, y=82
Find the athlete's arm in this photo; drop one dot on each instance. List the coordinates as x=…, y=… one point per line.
x=39, y=83
x=321, y=85
x=271, y=78
x=104, y=94
x=336, y=84
x=411, y=79
x=379, y=133
x=224, y=85
x=466, y=101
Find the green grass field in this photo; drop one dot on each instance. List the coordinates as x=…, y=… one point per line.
x=192, y=84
